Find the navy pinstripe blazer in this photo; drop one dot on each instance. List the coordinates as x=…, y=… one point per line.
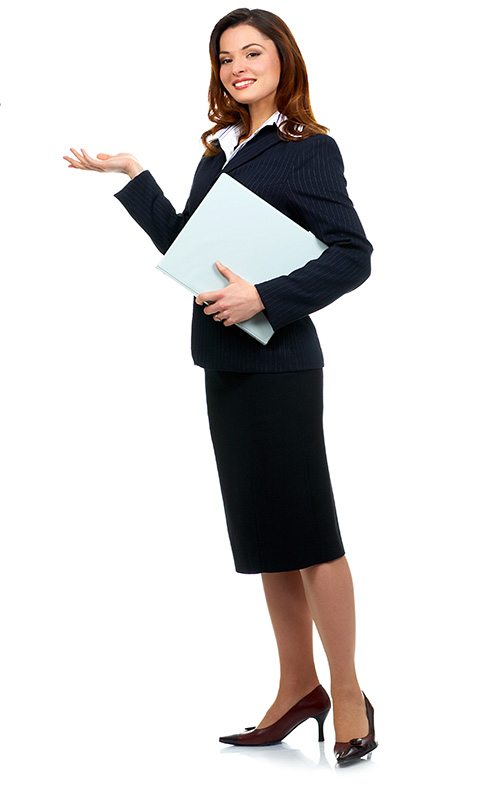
x=305, y=180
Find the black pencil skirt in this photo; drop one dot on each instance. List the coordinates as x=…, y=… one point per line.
x=267, y=435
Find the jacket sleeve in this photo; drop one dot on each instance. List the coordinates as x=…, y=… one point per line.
x=146, y=203
x=318, y=200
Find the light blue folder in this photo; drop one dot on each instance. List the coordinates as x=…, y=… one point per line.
x=249, y=235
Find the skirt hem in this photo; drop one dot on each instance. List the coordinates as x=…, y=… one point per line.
x=289, y=569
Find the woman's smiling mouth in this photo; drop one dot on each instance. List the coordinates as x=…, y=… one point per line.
x=240, y=84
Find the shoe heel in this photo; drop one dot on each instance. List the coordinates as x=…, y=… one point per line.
x=321, y=719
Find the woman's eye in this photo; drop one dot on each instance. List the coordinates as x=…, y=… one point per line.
x=226, y=59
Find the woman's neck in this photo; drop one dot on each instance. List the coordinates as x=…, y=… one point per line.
x=254, y=125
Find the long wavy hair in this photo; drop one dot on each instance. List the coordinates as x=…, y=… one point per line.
x=292, y=95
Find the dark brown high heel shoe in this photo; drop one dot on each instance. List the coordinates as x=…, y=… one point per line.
x=347, y=752
x=315, y=704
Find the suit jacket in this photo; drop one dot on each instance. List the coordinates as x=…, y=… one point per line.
x=305, y=180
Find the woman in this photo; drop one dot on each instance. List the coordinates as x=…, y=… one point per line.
x=265, y=402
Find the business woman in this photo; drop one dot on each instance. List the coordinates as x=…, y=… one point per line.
x=265, y=402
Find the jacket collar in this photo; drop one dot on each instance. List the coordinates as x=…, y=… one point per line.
x=228, y=137
x=263, y=138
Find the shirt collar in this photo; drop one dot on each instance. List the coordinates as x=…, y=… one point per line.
x=228, y=136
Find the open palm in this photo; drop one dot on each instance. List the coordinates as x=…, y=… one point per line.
x=104, y=162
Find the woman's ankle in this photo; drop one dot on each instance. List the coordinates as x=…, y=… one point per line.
x=293, y=687
x=346, y=689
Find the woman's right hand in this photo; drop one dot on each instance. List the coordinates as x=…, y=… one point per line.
x=105, y=162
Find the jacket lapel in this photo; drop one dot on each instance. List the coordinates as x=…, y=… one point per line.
x=212, y=167
x=266, y=138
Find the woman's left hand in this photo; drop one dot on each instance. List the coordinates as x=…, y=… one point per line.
x=234, y=303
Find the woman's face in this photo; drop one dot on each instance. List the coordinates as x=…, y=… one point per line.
x=259, y=62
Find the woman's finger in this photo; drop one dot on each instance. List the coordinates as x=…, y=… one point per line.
x=94, y=164
x=78, y=156
x=85, y=160
x=74, y=163
x=87, y=157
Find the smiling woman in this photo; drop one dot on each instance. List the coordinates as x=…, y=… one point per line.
x=253, y=68
x=256, y=67
x=265, y=402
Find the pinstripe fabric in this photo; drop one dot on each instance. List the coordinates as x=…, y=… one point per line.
x=305, y=180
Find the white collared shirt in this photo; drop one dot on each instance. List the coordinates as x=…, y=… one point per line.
x=228, y=137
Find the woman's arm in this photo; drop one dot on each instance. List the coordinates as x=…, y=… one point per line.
x=146, y=203
x=317, y=192
x=142, y=197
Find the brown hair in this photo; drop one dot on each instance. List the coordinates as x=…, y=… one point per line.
x=292, y=95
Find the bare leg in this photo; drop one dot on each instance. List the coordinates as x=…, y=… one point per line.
x=292, y=624
x=329, y=592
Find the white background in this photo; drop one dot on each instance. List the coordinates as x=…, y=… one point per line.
x=129, y=642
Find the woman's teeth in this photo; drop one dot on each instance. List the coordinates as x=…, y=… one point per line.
x=245, y=84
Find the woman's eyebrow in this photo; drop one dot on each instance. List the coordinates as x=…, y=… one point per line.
x=225, y=52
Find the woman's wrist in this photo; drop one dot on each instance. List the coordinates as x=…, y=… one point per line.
x=135, y=169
